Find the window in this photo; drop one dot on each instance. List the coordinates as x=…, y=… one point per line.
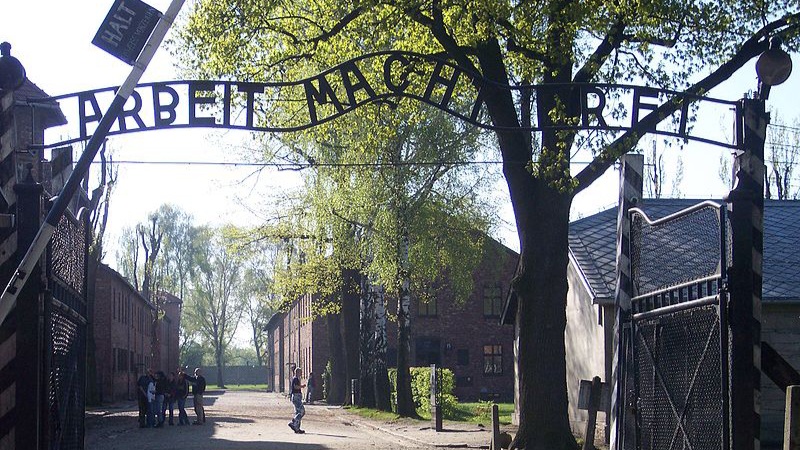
x=492, y=301
x=462, y=357
x=492, y=359
x=428, y=351
x=426, y=308
x=120, y=359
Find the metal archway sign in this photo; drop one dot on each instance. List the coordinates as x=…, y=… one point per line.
x=383, y=78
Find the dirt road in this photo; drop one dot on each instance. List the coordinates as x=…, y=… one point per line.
x=241, y=421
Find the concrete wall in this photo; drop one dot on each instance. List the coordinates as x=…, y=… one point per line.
x=585, y=343
x=780, y=327
x=235, y=375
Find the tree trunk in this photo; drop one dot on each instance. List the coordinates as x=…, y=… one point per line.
x=541, y=197
x=405, y=399
x=366, y=397
x=383, y=389
x=337, y=383
x=218, y=356
x=350, y=329
x=258, y=344
x=541, y=288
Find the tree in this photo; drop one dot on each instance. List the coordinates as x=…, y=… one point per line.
x=99, y=202
x=214, y=307
x=783, y=154
x=689, y=46
x=259, y=297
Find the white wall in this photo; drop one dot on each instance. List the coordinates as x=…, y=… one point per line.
x=585, y=346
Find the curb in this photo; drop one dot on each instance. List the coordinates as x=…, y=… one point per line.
x=419, y=441
x=358, y=421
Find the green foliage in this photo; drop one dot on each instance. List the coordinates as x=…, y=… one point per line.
x=421, y=391
x=481, y=412
x=240, y=356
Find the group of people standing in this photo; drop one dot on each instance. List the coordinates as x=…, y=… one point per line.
x=158, y=392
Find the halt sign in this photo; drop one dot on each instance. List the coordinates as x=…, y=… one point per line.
x=126, y=28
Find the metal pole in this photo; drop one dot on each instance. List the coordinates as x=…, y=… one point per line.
x=47, y=229
x=746, y=208
x=630, y=194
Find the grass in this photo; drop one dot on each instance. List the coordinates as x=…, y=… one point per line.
x=370, y=413
x=476, y=412
x=244, y=387
x=481, y=412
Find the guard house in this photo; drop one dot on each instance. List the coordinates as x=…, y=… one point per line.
x=590, y=302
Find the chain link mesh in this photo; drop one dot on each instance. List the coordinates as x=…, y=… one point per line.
x=69, y=253
x=66, y=382
x=679, y=384
x=680, y=250
x=65, y=321
x=679, y=394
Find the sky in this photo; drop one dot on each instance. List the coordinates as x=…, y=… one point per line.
x=53, y=38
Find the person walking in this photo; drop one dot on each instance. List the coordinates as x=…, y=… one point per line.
x=297, y=401
x=161, y=391
x=198, y=389
x=141, y=397
x=181, y=392
x=311, y=387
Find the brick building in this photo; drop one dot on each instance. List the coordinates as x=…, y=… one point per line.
x=128, y=337
x=466, y=338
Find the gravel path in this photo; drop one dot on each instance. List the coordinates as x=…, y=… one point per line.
x=240, y=421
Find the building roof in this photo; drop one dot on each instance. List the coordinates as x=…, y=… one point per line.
x=592, y=243
x=125, y=281
x=273, y=321
x=30, y=94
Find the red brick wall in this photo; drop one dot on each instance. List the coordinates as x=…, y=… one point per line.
x=123, y=328
x=464, y=327
x=457, y=327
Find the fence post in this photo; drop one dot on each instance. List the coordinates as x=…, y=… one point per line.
x=354, y=392
x=746, y=207
x=630, y=192
x=436, y=408
x=594, y=405
x=791, y=427
x=495, y=427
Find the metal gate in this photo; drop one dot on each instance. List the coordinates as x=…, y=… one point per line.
x=65, y=334
x=676, y=335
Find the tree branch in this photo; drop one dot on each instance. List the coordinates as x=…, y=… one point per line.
x=512, y=46
x=611, y=42
x=436, y=25
x=751, y=48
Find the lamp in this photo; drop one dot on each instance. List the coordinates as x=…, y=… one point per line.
x=773, y=67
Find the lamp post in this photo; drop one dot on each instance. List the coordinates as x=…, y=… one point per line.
x=746, y=212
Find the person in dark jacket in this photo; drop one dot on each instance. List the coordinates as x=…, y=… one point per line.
x=161, y=392
x=297, y=401
x=181, y=392
x=169, y=398
x=198, y=389
x=141, y=396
